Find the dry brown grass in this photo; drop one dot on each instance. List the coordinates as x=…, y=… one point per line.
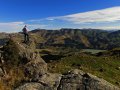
x=12, y=79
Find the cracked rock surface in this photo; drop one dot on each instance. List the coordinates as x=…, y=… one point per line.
x=74, y=80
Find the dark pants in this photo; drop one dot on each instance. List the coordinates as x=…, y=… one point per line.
x=26, y=37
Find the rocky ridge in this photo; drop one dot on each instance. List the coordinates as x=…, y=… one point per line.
x=74, y=80
x=40, y=79
x=35, y=69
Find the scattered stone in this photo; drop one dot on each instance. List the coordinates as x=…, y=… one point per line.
x=78, y=66
x=118, y=68
x=1, y=72
x=101, y=70
x=52, y=80
x=33, y=86
x=117, y=83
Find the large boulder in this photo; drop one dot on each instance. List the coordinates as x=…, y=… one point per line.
x=52, y=80
x=48, y=81
x=34, y=65
x=33, y=86
x=35, y=68
x=78, y=80
x=74, y=80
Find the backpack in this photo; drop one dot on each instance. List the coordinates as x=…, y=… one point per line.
x=24, y=30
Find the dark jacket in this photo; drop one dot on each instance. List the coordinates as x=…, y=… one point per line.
x=25, y=31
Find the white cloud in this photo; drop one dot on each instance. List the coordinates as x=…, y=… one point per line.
x=108, y=27
x=11, y=26
x=110, y=15
x=43, y=19
x=17, y=26
x=97, y=16
x=35, y=26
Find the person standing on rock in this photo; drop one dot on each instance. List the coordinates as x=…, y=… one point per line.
x=26, y=35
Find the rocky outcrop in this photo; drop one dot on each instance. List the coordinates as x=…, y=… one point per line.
x=34, y=65
x=78, y=80
x=36, y=68
x=51, y=80
x=48, y=81
x=74, y=80
x=34, y=86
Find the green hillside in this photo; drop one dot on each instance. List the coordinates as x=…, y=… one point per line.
x=107, y=68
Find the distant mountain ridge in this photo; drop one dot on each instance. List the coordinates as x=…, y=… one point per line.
x=77, y=38
x=80, y=38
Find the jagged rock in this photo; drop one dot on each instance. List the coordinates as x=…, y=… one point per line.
x=34, y=65
x=78, y=80
x=33, y=86
x=52, y=80
x=36, y=68
x=48, y=81
x=1, y=72
x=74, y=80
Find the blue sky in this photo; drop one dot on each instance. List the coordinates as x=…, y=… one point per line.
x=55, y=14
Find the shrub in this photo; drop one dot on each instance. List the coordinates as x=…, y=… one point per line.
x=11, y=53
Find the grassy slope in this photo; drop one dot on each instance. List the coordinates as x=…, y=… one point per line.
x=91, y=64
x=93, y=51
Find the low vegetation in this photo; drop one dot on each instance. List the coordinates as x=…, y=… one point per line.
x=13, y=71
x=11, y=53
x=103, y=67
